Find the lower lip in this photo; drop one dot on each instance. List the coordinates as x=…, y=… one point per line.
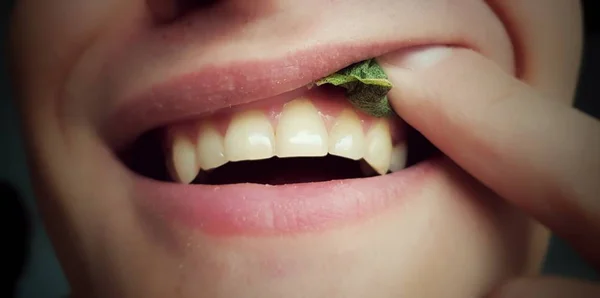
x=264, y=210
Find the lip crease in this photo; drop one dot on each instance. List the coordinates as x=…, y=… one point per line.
x=215, y=87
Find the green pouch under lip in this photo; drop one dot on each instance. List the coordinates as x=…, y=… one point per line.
x=366, y=87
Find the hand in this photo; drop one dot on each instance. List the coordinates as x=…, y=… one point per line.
x=541, y=155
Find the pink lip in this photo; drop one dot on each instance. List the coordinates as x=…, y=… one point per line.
x=261, y=210
x=215, y=87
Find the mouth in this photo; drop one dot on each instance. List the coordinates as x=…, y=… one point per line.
x=316, y=136
x=241, y=146
x=299, y=161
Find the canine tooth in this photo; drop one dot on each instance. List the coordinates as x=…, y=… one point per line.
x=182, y=162
x=346, y=137
x=301, y=131
x=250, y=136
x=398, y=160
x=379, y=147
x=210, y=148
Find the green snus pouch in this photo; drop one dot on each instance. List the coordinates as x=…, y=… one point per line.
x=366, y=87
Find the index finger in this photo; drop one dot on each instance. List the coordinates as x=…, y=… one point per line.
x=541, y=156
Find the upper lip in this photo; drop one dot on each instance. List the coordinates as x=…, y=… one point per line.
x=219, y=86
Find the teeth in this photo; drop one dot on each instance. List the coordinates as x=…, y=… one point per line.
x=210, y=148
x=182, y=163
x=379, y=147
x=301, y=131
x=346, y=138
x=398, y=161
x=249, y=137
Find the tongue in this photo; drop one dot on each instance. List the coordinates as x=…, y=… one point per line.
x=276, y=171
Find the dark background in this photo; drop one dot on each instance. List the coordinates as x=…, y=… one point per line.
x=28, y=259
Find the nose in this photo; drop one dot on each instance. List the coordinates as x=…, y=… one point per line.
x=165, y=11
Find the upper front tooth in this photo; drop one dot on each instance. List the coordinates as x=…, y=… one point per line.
x=182, y=163
x=346, y=136
x=210, y=148
x=379, y=147
x=250, y=136
x=301, y=131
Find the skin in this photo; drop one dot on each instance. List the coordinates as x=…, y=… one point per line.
x=556, y=187
x=456, y=238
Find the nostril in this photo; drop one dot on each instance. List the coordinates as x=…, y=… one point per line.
x=165, y=11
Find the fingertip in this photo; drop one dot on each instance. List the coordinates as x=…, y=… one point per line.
x=415, y=58
x=403, y=66
x=443, y=81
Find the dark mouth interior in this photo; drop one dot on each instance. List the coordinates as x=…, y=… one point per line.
x=277, y=171
x=147, y=158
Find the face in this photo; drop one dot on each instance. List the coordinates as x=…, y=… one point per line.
x=177, y=150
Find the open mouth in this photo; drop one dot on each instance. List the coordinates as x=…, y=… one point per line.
x=214, y=123
x=292, y=160
x=317, y=136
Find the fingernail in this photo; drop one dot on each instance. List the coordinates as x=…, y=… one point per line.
x=416, y=58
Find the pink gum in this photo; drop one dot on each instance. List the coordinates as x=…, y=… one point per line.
x=329, y=102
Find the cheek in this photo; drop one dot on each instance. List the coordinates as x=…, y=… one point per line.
x=48, y=39
x=547, y=39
